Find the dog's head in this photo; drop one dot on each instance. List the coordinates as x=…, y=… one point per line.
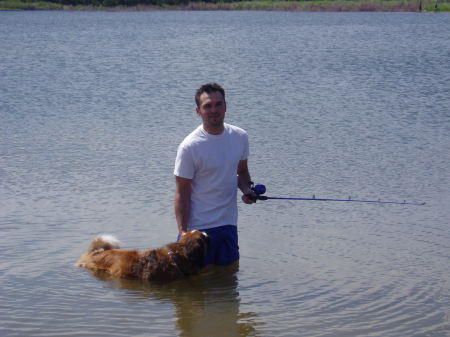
x=196, y=245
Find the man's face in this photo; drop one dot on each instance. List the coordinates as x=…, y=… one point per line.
x=212, y=109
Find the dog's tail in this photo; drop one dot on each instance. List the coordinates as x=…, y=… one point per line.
x=103, y=242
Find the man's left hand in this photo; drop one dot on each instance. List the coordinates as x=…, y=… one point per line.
x=249, y=198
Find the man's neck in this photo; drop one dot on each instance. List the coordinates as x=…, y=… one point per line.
x=214, y=130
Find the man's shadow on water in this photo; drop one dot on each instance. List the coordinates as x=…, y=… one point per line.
x=207, y=304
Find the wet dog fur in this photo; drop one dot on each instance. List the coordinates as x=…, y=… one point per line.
x=171, y=262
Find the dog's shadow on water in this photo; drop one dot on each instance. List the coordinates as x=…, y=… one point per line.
x=207, y=304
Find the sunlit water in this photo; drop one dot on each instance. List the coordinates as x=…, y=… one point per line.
x=93, y=106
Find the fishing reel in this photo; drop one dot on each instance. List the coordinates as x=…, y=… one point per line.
x=259, y=190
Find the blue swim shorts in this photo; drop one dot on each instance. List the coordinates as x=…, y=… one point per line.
x=223, y=245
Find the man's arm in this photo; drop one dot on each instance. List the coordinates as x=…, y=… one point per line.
x=182, y=202
x=243, y=182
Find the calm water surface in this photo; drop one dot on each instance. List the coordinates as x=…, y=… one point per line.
x=93, y=106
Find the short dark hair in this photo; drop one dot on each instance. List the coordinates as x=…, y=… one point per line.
x=208, y=88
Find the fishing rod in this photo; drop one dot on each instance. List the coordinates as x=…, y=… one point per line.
x=260, y=189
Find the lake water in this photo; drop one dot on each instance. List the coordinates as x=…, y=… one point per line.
x=94, y=104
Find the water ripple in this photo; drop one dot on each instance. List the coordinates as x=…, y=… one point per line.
x=336, y=104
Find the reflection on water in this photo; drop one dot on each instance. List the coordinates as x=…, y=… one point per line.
x=205, y=304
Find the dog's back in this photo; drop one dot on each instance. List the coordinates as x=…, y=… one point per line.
x=173, y=261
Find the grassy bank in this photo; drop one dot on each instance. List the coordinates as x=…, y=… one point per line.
x=303, y=6
x=330, y=5
x=21, y=5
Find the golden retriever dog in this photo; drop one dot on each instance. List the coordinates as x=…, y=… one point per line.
x=171, y=262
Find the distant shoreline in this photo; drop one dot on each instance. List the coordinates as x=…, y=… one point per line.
x=263, y=5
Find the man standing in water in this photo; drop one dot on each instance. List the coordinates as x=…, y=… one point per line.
x=211, y=164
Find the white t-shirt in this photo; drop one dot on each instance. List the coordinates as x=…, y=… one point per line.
x=211, y=161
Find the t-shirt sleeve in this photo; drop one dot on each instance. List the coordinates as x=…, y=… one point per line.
x=246, y=151
x=184, y=164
